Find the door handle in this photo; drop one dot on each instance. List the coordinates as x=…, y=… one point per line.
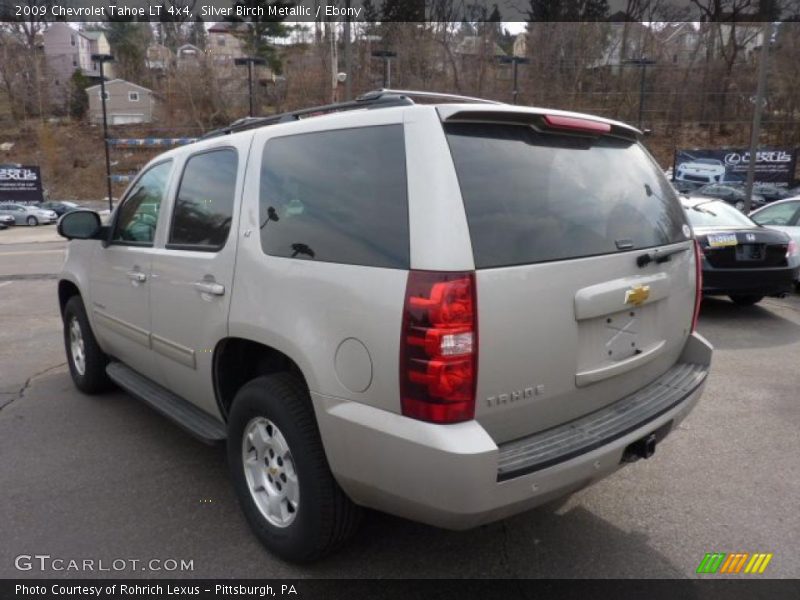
x=137, y=276
x=209, y=287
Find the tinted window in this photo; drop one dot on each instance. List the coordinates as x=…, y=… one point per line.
x=716, y=214
x=138, y=214
x=779, y=214
x=337, y=196
x=204, y=204
x=533, y=197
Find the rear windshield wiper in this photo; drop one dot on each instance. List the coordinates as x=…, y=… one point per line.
x=658, y=256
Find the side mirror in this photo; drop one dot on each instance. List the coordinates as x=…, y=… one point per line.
x=80, y=225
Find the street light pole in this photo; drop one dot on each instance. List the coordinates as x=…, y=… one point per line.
x=515, y=61
x=249, y=61
x=387, y=56
x=104, y=58
x=755, y=132
x=642, y=63
x=348, y=56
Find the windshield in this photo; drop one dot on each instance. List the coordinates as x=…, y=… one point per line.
x=534, y=197
x=707, y=161
x=716, y=214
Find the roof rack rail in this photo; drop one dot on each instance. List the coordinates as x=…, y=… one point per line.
x=380, y=99
x=433, y=96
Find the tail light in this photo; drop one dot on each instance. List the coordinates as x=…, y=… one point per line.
x=698, y=280
x=792, y=249
x=439, y=347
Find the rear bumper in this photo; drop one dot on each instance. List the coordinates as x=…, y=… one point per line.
x=763, y=281
x=453, y=475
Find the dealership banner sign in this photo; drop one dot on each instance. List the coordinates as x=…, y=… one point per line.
x=20, y=184
x=773, y=165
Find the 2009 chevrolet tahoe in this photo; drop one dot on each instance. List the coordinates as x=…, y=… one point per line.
x=451, y=311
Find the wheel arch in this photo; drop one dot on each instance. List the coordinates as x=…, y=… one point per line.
x=66, y=290
x=239, y=360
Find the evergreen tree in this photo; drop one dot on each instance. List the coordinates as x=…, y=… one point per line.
x=78, y=100
x=129, y=41
x=258, y=41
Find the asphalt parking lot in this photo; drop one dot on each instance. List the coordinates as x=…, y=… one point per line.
x=107, y=478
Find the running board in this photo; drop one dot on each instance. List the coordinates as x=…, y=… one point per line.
x=198, y=423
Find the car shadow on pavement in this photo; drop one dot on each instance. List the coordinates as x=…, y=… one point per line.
x=729, y=326
x=542, y=543
x=131, y=483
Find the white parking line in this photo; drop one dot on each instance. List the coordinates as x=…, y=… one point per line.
x=6, y=283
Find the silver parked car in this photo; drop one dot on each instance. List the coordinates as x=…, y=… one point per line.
x=28, y=215
x=452, y=312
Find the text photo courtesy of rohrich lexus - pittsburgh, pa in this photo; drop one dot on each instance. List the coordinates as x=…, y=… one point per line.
x=370, y=298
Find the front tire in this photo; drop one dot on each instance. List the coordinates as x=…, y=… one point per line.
x=746, y=299
x=86, y=361
x=280, y=472
x=32, y=221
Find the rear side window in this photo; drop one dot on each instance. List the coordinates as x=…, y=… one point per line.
x=716, y=213
x=336, y=196
x=534, y=197
x=204, y=204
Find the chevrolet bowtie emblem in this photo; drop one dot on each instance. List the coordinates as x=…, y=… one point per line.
x=637, y=294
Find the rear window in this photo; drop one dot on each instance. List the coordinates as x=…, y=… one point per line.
x=336, y=196
x=534, y=197
x=716, y=214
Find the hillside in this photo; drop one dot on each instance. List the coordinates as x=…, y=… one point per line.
x=73, y=165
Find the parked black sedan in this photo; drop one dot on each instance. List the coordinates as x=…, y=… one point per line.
x=732, y=193
x=740, y=258
x=59, y=207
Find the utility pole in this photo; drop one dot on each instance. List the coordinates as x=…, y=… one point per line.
x=515, y=61
x=249, y=61
x=348, y=56
x=755, y=131
x=102, y=59
x=642, y=63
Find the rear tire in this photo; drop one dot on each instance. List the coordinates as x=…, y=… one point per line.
x=87, y=362
x=746, y=299
x=294, y=505
x=32, y=221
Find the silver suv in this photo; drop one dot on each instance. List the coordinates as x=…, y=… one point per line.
x=451, y=312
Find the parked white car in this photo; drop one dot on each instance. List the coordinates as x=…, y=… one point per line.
x=783, y=215
x=28, y=215
x=706, y=170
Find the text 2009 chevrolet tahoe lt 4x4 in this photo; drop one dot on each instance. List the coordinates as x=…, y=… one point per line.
x=451, y=312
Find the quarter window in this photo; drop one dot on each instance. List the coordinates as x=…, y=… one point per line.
x=336, y=196
x=204, y=204
x=138, y=214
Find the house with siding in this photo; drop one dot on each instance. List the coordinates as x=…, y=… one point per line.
x=67, y=49
x=126, y=103
x=225, y=43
